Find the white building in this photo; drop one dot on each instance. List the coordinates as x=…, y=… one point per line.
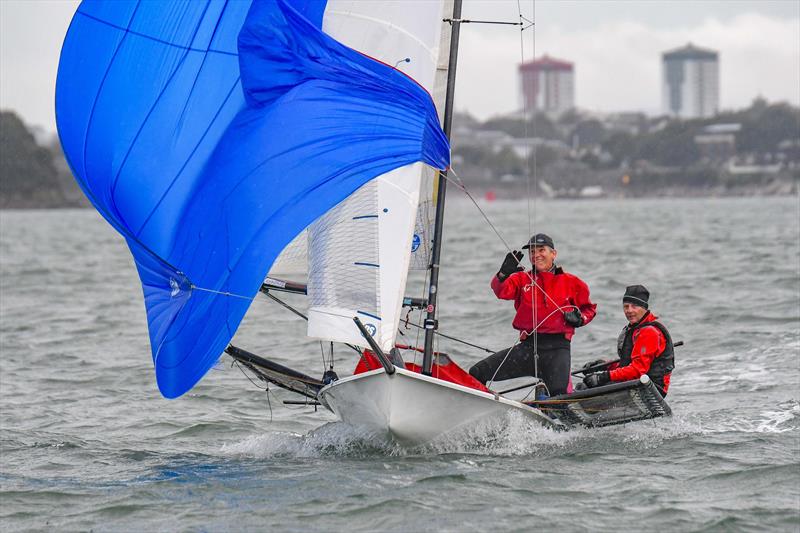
x=547, y=85
x=691, y=82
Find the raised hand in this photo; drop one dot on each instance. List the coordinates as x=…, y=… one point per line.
x=510, y=265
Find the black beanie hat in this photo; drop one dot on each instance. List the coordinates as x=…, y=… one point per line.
x=636, y=295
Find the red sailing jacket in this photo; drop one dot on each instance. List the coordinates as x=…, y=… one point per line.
x=648, y=343
x=560, y=287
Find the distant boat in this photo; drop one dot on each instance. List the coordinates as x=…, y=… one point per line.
x=592, y=191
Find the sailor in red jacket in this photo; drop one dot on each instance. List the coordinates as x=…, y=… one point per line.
x=550, y=304
x=644, y=346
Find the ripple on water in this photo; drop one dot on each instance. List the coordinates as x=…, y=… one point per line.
x=88, y=443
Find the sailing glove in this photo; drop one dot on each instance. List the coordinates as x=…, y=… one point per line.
x=590, y=364
x=574, y=318
x=510, y=265
x=597, y=379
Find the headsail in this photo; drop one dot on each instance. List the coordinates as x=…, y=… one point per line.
x=210, y=134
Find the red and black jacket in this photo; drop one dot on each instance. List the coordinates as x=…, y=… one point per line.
x=554, y=292
x=645, y=348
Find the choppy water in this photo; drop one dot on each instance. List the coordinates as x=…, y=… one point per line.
x=87, y=442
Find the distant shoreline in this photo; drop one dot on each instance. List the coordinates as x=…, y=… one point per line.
x=774, y=189
x=482, y=191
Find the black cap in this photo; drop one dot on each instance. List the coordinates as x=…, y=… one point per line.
x=636, y=295
x=540, y=239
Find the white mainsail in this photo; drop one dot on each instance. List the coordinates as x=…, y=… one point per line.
x=293, y=261
x=360, y=252
x=422, y=243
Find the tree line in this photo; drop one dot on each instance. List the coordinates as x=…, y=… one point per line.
x=600, y=144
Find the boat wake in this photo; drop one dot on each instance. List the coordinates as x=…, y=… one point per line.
x=513, y=435
x=780, y=418
x=332, y=439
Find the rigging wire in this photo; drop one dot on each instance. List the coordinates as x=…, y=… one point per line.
x=429, y=223
x=530, y=158
x=420, y=327
x=460, y=185
x=287, y=306
x=256, y=385
x=322, y=349
x=222, y=293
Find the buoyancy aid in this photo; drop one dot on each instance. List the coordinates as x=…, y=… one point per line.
x=663, y=364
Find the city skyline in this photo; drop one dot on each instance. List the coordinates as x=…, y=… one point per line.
x=690, y=83
x=616, y=47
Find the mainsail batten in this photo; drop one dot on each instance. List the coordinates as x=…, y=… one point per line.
x=410, y=39
x=208, y=195
x=293, y=259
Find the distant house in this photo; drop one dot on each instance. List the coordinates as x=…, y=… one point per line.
x=717, y=142
x=633, y=123
x=496, y=141
x=789, y=153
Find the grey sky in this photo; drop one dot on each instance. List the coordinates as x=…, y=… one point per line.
x=615, y=45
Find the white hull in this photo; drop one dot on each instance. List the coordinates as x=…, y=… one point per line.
x=415, y=409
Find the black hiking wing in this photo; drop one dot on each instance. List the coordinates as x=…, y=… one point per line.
x=272, y=372
x=616, y=403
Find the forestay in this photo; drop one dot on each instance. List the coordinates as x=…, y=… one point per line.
x=210, y=134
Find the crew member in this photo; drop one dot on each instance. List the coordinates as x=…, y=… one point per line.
x=644, y=346
x=546, y=326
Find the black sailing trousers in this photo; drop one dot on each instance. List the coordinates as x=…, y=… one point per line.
x=554, y=362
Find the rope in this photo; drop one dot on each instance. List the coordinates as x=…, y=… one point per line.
x=531, y=332
x=419, y=327
x=508, y=352
x=460, y=185
x=265, y=389
x=223, y=293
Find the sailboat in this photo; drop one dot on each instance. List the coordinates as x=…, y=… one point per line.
x=212, y=136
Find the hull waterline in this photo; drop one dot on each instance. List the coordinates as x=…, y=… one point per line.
x=415, y=409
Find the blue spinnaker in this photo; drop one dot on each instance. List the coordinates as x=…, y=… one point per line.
x=209, y=134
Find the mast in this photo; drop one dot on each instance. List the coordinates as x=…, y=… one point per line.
x=431, y=324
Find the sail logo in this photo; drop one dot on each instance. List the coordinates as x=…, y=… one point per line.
x=415, y=243
x=371, y=329
x=174, y=287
